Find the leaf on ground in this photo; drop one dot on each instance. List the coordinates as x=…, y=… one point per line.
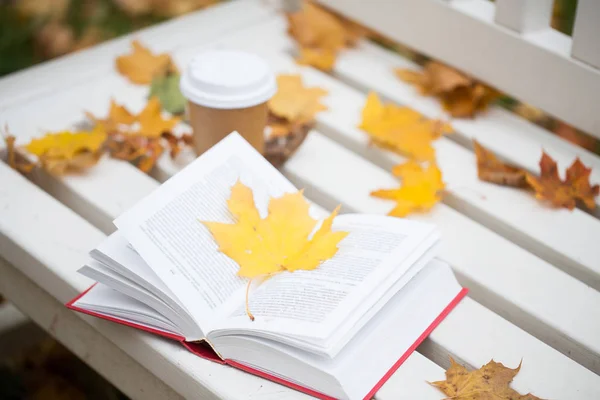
x=141, y=66
x=68, y=151
x=15, y=160
x=565, y=193
x=489, y=382
x=401, y=129
x=280, y=242
x=460, y=95
x=420, y=189
x=166, y=88
x=320, y=35
x=490, y=169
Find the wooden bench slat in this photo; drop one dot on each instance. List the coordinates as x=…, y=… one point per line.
x=371, y=68
x=503, y=277
x=82, y=339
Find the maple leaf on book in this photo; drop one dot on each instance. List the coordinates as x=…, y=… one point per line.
x=488, y=382
x=280, y=242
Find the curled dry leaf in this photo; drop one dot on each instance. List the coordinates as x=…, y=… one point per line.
x=401, y=129
x=420, y=189
x=488, y=382
x=280, y=242
x=490, y=169
x=68, y=151
x=565, y=193
x=320, y=35
x=141, y=66
x=278, y=149
x=460, y=95
x=15, y=160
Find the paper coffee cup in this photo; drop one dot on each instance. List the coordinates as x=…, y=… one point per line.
x=227, y=90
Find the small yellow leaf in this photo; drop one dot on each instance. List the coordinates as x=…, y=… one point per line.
x=141, y=66
x=294, y=102
x=419, y=192
x=68, y=151
x=488, y=382
x=117, y=115
x=323, y=59
x=401, y=128
x=279, y=242
x=152, y=123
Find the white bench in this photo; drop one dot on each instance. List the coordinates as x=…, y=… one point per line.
x=534, y=272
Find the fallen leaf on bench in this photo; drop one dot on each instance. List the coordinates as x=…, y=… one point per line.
x=401, y=129
x=152, y=122
x=166, y=88
x=68, y=151
x=320, y=35
x=118, y=116
x=280, y=242
x=279, y=148
x=490, y=169
x=565, y=193
x=460, y=95
x=141, y=66
x=15, y=160
x=489, y=382
x=420, y=189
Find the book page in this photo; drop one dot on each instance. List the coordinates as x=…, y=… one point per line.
x=166, y=231
x=375, y=254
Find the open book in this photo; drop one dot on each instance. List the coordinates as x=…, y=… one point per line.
x=338, y=331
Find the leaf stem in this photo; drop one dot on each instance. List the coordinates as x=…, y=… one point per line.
x=247, y=304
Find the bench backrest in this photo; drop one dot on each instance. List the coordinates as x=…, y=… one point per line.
x=508, y=44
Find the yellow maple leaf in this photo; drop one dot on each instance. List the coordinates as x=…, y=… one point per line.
x=293, y=104
x=320, y=35
x=66, y=150
x=488, y=382
x=420, y=189
x=279, y=242
x=152, y=122
x=118, y=115
x=401, y=129
x=323, y=59
x=141, y=66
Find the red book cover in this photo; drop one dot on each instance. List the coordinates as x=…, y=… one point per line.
x=204, y=350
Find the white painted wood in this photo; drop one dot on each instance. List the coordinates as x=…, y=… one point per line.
x=537, y=69
x=80, y=338
x=10, y=317
x=517, y=285
x=586, y=32
x=524, y=15
x=514, y=214
x=190, y=30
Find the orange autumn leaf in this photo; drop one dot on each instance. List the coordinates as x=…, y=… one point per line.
x=118, y=115
x=459, y=94
x=68, y=151
x=559, y=193
x=490, y=169
x=420, y=189
x=488, y=382
x=279, y=242
x=141, y=66
x=401, y=129
x=320, y=35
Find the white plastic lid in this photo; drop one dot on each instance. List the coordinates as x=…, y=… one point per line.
x=228, y=79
